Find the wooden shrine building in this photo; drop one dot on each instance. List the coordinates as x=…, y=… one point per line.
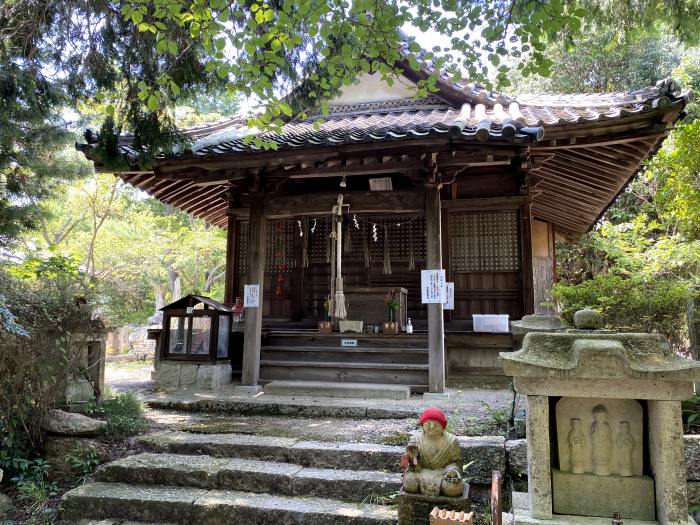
x=468, y=180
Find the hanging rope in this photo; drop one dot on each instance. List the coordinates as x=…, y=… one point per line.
x=411, y=257
x=368, y=254
x=387, y=257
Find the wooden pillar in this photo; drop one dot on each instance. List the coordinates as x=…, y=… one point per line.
x=436, y=323
x=257, y=233
x=231, y=261
x=526, y=258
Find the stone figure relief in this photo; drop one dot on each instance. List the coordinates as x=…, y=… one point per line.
x=577, y=447
x=600, y=436
x=625, y=449
x=601, y=441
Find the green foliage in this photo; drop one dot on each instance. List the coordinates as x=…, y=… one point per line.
x=131, y=248
x=32, y=482
x=83, y=461
x=630, y=304
x=691, y=414
x=35, y=368
x=123, y=413
x=147, y=57
x=600, y=61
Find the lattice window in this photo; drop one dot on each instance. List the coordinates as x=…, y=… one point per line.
x=279, y=257
x=484, y=241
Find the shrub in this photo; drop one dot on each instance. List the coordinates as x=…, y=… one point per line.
x=631, y=305
x=691, y=414
x=124, y=414
x=39, y=317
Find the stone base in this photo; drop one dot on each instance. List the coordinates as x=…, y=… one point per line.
x=590, y=495
x=79, y=390
x=204, y=376
x=247, y=390
x=521, y=516
x=414, y=509
x=436, y=395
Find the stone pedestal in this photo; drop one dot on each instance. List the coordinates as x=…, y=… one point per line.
x=415, y=509
x=534, y=323
x=614, y=442
x=203, y=376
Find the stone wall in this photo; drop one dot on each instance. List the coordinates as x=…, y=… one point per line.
x=206, y=376
x=131, y=337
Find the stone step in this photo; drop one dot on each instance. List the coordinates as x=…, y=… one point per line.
x=484, y=454
x=414, y=375
x=295, y=338
x=184, y=505
x=356, y=456
x=344, y=390
x=268, y=405
x=336, y=354
x=287, y=479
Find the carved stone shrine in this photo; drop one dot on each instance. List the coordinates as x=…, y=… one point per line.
x=604, y=428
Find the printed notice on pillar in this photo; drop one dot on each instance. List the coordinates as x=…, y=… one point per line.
x=251, y=295
x=433, y=289
x=450, y=292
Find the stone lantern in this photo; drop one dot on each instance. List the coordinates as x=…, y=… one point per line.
x=604, y=428
x=194, y=344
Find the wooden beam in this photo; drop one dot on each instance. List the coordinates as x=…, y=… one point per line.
x=486, y=203
x=310, y=204
x=231, y=262
x=436, y=322
x=257, y=244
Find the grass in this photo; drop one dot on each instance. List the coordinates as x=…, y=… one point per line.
x=123, y=413
x=400, y=438
x=691, y=415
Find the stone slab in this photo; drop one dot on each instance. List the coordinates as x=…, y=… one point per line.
x=483, y=454
x=63, y=423
x=131, y=502
x=226, y=508
x=436, y=395
x=345, y=485
x=415, y=509
x=591, y=495
x=605, y=436
x=143, y=503
x=692, y=457
x=203, y=471
x=229, y=445
x=629, y=388
x=516, y=457
x=357, y=456
x=213, y=376
x=247, y=390
x=342, y=390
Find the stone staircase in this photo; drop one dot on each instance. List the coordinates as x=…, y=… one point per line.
x=212, y=479
x=311, y=356
x=242, y=479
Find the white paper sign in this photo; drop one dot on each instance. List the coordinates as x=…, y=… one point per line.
x=251, y=295
x=450, y=291
x=433, y=289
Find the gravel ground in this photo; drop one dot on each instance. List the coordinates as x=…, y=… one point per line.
x=130, y=377
x=470, y=412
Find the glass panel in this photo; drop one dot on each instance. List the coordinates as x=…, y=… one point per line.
x=222, y=339
x=178, y=332
x=201, y=335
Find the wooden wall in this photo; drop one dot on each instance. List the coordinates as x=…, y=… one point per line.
x=486, y=253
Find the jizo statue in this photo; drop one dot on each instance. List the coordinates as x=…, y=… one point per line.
x=433, y=459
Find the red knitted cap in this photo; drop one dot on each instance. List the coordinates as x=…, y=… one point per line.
x=435, y=414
